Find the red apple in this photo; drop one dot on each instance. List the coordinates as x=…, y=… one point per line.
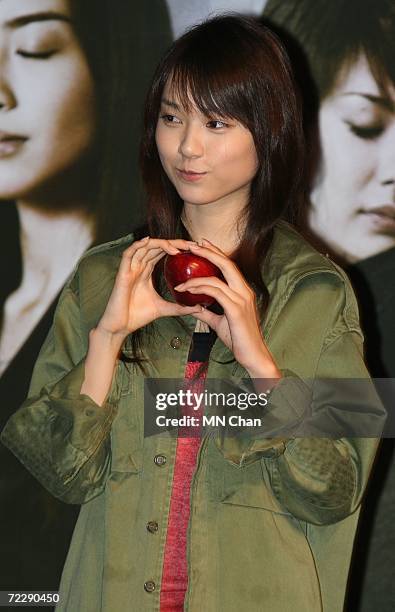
x=183, y=266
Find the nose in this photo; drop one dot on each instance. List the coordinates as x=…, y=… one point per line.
x=386, y=166
x=7, y=96
x=191, y=143
x=7, y=99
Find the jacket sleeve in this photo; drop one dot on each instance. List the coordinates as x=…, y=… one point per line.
x=318, y=478
x=61, y=436
x=321, y=479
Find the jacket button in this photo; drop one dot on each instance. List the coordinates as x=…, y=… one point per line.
x=160, y=459
x=149, y=586
x=152, y=526
x=175, y=342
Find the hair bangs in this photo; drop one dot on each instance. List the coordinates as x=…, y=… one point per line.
x=212, y=83
x=332, y=38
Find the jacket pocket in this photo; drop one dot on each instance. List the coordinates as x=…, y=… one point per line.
x=248, y=485
x=126, y=432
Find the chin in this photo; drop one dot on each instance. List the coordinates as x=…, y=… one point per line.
x=15, y=184
x=379, y=244
x=43, y=188
x=192, y=196
x=186, y=197
x=9, y=191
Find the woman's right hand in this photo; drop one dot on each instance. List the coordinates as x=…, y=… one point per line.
x=134, y=302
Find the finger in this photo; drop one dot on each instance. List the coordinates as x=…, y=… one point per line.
x=182, y=310
x=150, y=265
x=147, y=241
x=178, y=243
x=222, y=298
x=193, y=283
x=172, y=247
x=127, y=254
x=142, y=269
x=184, y=244
x=138, y=249
x=230, y=271
x=206, y=243
x=153, y=255
x=173, y=309
x=206, y=316
x=155, y=246
x=181, y=243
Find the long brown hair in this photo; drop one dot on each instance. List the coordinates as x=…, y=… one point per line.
x=333, y=34
x=231, y=66
x=115, y=36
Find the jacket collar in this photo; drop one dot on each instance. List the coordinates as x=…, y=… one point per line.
x=291, y=258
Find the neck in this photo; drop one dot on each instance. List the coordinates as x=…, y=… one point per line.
x=216, y=221
x=51, y=241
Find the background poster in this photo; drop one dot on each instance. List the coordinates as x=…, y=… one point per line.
x=69, y=132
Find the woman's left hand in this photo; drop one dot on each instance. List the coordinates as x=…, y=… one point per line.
x=239, y=327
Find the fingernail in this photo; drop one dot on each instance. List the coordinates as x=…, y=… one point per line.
x=145, y=238
x=178, y=286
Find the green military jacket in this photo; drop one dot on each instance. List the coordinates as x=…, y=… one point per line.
x=272, y=521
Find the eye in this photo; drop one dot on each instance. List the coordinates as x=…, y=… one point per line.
x=366, y=132
x=35, y=55
x=170, y=119
x=217, y=124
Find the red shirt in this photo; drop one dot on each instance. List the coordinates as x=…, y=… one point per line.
x=175, y=570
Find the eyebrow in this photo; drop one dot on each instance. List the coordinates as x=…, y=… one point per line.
x=379, y=100
x=170, y=103
x=23, y=20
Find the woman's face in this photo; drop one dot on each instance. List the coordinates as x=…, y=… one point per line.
x=47, y=107
x=207, y=159
x=353, y=201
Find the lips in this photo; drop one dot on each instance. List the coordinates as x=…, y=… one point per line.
x=190, y=175
x=388, y=210
x=383, y=217
x=188, y=171
x=10, y=143
x=7, y=137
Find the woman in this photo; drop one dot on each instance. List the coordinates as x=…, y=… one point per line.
x=66, y=104
x=353, y=212
x=270, y=518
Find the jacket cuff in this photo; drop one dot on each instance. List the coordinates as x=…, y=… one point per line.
x=87, y=419
x=56, y=433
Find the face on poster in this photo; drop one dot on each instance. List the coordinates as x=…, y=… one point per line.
x=47, y=93
x=47, y=122
x=59, y=138
x=350, y=62
x=353, y=200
